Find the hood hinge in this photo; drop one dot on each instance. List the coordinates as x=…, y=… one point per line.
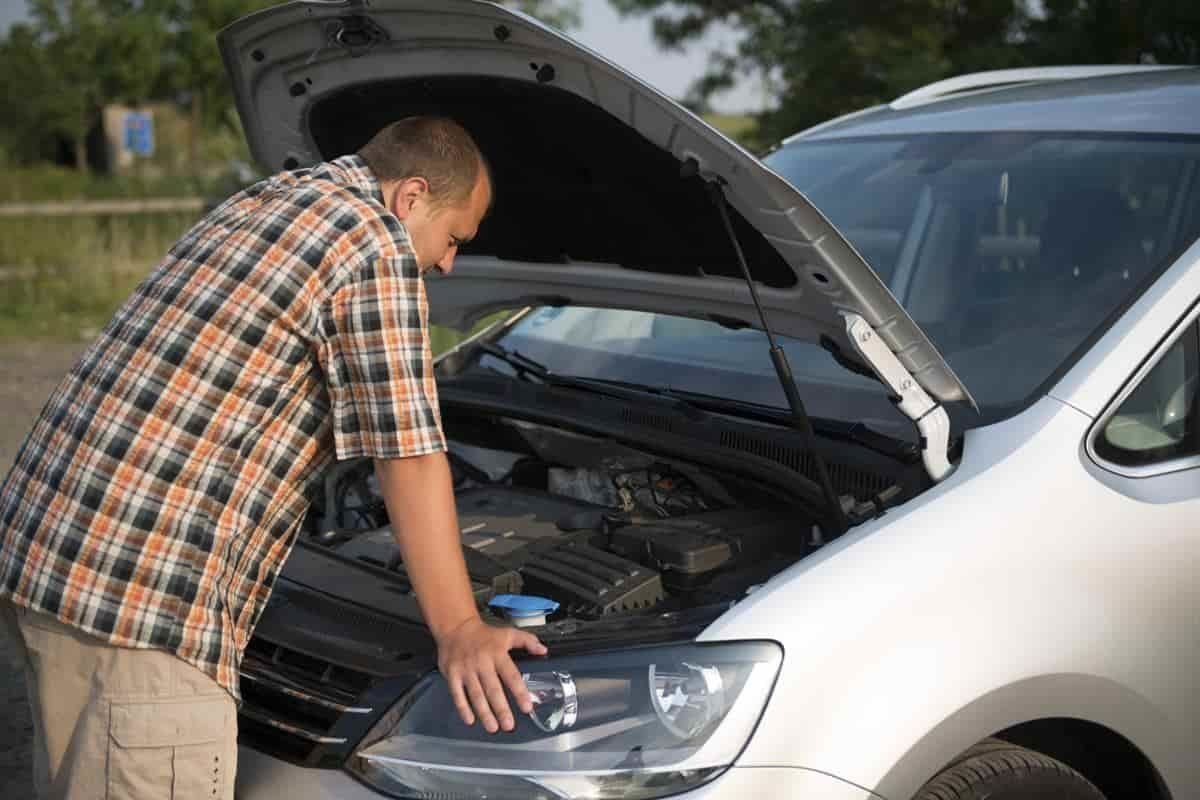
x=929, y=416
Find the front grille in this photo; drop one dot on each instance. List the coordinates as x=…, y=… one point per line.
x=293, y=701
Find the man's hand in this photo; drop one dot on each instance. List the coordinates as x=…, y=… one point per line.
x=475, y=662
x=472, y=655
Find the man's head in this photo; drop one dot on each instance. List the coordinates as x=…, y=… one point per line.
x=434, y=179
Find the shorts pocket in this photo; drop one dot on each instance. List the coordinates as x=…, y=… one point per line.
x=171, y=749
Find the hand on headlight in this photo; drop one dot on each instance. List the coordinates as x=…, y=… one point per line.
x=474, y=660
x=472, y=655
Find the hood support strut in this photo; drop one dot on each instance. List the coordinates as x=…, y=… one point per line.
x=931, y=419
x=800, y=419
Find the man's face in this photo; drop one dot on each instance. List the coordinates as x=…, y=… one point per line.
x=438, y=231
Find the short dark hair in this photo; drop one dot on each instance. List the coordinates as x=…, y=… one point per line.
x=437, y=149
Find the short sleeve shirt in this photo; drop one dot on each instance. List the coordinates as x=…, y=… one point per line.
x=164, y=483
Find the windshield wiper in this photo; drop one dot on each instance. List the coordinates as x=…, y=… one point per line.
x=526, y=366
x=522, y=364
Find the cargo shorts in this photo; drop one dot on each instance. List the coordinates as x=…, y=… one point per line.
x=114, y=723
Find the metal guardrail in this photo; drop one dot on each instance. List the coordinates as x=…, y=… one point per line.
x=154, y=205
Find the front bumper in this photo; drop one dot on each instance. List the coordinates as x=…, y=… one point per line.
x=261, y=776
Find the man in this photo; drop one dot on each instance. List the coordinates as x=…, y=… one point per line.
x=161, y=489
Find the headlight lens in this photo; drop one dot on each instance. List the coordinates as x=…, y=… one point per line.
x=687, y=697
x=632, y=725
x=555, y=700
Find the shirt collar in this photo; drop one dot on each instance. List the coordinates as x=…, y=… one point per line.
x=352, y=170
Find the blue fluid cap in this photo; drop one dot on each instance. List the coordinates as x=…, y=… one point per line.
x=523, y=607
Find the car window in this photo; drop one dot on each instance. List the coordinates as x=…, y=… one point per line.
x=1009, y=249
x=1158, y=420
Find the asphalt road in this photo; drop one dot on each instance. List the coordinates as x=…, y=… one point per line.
x=30, y=372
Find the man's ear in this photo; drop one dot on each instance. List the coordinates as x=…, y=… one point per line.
x=405, y=195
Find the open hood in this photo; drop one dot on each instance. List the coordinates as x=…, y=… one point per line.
x=600, y=180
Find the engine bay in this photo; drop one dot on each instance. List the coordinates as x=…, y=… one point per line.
x=598, y=527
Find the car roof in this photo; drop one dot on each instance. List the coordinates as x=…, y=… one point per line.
x=1158, y=101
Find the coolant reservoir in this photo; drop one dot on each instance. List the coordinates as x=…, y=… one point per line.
x=523, y=610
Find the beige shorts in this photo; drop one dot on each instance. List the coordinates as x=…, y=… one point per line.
x=114, y=723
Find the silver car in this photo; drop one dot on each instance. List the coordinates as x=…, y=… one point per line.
x=867, y=470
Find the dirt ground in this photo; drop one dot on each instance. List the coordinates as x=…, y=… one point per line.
x=30, y=372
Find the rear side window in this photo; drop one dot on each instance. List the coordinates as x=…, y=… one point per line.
x=1158, y=420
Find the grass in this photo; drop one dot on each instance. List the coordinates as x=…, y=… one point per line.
x=62, y=278
x=91, y=243
x=61, y=307
x=47, y=183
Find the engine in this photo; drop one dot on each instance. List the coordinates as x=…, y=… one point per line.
x=596, y=526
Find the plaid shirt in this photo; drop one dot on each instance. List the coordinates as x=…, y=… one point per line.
x=163, y=485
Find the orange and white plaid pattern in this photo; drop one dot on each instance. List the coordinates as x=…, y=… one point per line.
x=164, y=483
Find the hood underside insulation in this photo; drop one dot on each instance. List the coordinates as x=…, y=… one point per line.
x=572, y=182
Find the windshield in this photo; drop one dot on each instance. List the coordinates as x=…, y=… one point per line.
x=1009, y=250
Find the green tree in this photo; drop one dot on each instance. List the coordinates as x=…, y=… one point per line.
x=71, y=34
x=75, y=56
x=195, y=72
x=1116, y=32
x=25, y=77
x=91, y=52
x=825, y=57
x=561, y=14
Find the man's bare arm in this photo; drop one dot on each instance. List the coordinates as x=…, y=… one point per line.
x=472, y=655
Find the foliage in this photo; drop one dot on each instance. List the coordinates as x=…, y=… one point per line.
x=822, y=58
x=1116, y=31
x=192, y=63
x=75, y=56
x=49, y=183
x=92, y=52
x=561, y=14
x=825, y=58
x=24, y=105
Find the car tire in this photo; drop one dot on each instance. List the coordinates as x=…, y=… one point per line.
x=997, y=770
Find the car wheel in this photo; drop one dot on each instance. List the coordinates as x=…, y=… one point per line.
x=997, y=770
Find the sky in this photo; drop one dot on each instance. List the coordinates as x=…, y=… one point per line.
x=625, y=41
x=628, y=41
x=11, y=11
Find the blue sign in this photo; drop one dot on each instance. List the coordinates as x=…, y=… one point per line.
x=139, y=133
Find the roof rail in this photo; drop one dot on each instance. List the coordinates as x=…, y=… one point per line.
x=996, y=79
x=820, y=126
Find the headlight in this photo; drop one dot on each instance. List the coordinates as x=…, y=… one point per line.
x=555, y=700
x=632, y=725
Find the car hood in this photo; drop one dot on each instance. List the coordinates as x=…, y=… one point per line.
x=601, y=182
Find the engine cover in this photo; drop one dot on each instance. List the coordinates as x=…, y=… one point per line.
x=513, y=541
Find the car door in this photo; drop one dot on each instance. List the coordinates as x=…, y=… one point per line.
x=1145, y=446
